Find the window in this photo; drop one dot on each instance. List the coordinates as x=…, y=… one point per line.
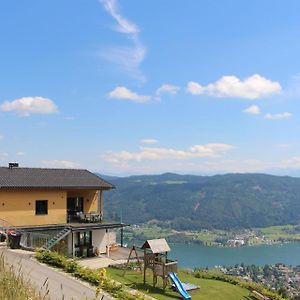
x=41, y=207
x=83, y=238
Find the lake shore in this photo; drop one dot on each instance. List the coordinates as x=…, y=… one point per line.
x=218, y=238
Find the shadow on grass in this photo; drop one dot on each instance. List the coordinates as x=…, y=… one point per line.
x=147, y=288
x=250, y=298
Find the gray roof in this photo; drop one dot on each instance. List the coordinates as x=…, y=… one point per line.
x=157, y=246
x=19, y=178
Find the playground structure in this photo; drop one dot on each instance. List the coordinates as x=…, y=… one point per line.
x=156, y=259
x=182, y=287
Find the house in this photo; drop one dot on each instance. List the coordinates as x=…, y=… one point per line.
x=58, y=209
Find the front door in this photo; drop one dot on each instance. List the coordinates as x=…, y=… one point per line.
x=83, y=244
x=74, y=208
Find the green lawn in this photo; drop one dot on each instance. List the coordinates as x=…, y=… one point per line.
x=207, y=238
x=209, y=289
x=277, y=232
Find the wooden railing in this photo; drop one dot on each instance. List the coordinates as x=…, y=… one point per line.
x=162, y=269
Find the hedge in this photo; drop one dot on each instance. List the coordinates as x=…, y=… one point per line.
x=95, y=277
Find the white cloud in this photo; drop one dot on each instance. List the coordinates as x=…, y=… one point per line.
x=30, y=105
x=65, y=164
x=149, y=141
x=280, y=116
x=154, y=154
x=210, y=150
x=128, y=58
x=167, y=89
x=123, y=93
x=20, y=153
x=291, y=163
x=252, y=110
x=195, y=88
x=253, y=87
x=1, y=137
x=123, y=25
x=188, y=166
x=284, y=146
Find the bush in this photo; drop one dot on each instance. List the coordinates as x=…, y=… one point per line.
x=71, y=266
x=95, y=277
x=88, y=275
x=51, y=258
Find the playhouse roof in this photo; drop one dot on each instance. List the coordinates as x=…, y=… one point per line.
x=157, y=246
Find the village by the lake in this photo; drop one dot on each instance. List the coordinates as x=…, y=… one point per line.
x=219, y=238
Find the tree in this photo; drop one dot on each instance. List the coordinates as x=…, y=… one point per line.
x=283, y=292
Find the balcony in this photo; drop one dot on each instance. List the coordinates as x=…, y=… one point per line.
x=80, y=217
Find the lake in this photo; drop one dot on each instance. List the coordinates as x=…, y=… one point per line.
x=194, y=255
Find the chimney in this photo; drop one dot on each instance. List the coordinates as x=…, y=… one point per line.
x=13, y=165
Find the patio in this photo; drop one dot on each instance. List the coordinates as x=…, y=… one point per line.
x=117, y=257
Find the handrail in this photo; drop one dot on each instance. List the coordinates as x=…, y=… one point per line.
x=6, y=226
x=169, y=263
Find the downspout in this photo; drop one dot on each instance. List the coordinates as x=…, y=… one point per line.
x=107, y=247
x=122, y=233
x=100, y=204
x=73, y=245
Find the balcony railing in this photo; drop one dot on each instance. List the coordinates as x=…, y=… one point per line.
x=80, y=217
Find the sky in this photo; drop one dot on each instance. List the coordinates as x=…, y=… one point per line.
x=146, y=87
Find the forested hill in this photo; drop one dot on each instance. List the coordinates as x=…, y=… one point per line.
x=192, y=202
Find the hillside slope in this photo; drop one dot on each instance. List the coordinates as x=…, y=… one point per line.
x=194, y=202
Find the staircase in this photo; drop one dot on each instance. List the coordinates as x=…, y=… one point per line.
x=54, y=240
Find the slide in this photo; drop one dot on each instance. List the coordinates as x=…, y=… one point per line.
x=180, y=289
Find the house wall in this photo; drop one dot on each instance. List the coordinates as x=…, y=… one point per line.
x=90, y=199
x=18, y=207
x=100, y=239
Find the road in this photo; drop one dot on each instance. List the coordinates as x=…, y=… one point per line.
x=59, y=285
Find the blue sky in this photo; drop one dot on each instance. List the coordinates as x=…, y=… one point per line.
x=133, y=87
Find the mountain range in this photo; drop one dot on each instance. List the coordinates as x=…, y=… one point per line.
x=190, y=202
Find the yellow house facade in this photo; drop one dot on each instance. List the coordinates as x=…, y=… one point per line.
x=20, y=207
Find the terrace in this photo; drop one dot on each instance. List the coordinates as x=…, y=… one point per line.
x=80, y=217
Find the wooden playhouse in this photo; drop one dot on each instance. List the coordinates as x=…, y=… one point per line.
x=156, y=259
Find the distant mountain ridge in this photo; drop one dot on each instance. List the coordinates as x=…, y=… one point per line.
x=191, y=202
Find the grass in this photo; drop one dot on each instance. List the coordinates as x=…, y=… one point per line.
x=143, y=233
x=209, y=289
x=212, y=286
x=207, y=238
x=13, y=286
x=276, y=233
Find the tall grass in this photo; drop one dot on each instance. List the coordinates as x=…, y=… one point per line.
x=13, y=286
